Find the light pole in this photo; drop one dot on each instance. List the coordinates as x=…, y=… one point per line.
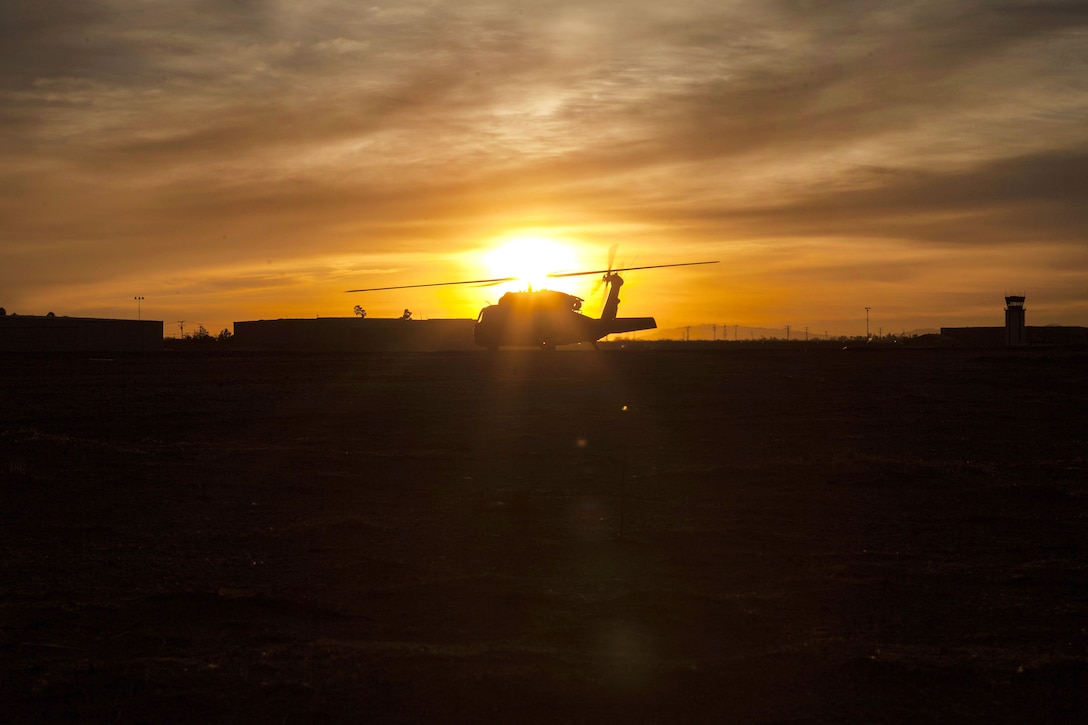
x=139, y=299
x=867, y=322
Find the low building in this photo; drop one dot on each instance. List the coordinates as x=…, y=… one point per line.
x=1059, y=335
x=33, y=333
x=1048, y=335
x=348, y=334
x=973, y=336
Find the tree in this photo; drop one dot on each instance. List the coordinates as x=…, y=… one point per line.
x=224, y=335
x=360, y=311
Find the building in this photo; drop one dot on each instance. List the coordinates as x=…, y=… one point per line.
x=49, y=333
x=1016, y=333
x=347, y=334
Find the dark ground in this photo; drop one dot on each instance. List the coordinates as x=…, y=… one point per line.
x=833, y=536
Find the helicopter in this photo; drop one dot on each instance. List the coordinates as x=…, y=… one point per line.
x=548, y=318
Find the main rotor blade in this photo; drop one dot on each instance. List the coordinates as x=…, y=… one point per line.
x=436, y=284
x=628, y=269
x=500, y=280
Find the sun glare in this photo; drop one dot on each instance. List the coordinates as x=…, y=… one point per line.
x=530, y=260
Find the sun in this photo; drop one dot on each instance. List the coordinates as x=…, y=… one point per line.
x=529, y=260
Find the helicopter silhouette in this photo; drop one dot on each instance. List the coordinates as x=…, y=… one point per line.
x=548, y=318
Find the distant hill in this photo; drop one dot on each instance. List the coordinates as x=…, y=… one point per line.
x=708, y=332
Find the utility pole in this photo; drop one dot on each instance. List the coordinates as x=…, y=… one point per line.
x=787, y=333
x=867, y=337
x=806, y=333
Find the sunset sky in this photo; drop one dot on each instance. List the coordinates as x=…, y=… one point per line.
x=252, y=159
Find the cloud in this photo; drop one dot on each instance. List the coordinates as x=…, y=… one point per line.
x=215, y=134
x=999, y=201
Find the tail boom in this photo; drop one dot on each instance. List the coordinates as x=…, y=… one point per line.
x=627, y=324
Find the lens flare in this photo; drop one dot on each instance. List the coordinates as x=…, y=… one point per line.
x=530, y=260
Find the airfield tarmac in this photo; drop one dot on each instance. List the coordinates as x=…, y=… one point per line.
x=799, y=535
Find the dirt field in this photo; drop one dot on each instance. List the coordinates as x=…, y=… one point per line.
x=745, y=536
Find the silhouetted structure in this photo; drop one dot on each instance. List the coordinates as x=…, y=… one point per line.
x=1014, y=322
x=548, y=318
x=1015, y=333
x=49, y=333
x=345, y=334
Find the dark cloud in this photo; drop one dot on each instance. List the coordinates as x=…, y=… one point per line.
x=839, y=73
x=1010, y=200
x=44, y=38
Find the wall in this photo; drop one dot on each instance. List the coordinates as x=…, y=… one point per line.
x=28, y=333
x=354, y=334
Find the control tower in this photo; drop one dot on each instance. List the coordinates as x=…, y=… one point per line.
x=1014, y=321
